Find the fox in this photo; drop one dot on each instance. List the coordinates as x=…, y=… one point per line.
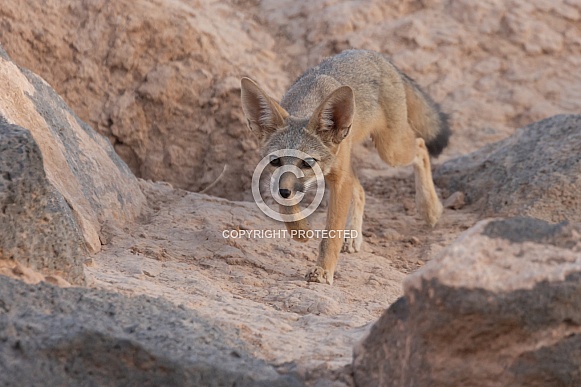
x=334, y=105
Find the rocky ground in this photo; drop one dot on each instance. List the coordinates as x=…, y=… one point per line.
x=160, y=79
x=257, y=286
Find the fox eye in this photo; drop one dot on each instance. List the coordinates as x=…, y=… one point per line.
x=309, y=162
x=275, y=161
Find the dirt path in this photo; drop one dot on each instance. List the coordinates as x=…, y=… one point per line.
x=256, y=286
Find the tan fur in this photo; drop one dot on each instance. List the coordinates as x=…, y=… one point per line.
x=330, y=108
x=299, y=224
x=422, y=121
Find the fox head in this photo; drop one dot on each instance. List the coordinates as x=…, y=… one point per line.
x=319, y=136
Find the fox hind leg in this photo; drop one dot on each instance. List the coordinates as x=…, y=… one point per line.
x=427, y=202
x=403, y=148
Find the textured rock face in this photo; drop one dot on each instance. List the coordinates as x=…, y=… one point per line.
x=535, y=172
x=160, y=78
x=38, y=227
x=101, y=338
x=500, y=307
x=60, y=180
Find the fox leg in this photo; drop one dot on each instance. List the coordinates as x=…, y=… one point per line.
x=353, y=243
x=427, y=201
x=403, y=148
x=341, y=192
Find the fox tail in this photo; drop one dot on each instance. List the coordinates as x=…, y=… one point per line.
x=426, y=118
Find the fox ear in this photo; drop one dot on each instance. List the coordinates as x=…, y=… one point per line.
x=264, y=115
x=334, y=117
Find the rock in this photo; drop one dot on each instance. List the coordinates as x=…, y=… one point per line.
x=413, y=241
x=455, y=201
x=535, y=172
x=25, y=274
x=56, y=280
x=38, y=228
x=101, y=338
x=389, y=234
x=160, y=79
x=501, y=306
x=59, y=180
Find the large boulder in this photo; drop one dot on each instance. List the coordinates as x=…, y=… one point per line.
x=535, y=172
x=501, y=306
x=52, y=336
x=161, y=79
x=60, y=181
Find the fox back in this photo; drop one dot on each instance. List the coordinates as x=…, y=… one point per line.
x=371, y=76
x=356, y=89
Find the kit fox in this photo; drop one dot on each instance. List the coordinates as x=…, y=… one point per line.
x=331, y=107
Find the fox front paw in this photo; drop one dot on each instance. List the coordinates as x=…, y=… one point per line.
x=320, y=275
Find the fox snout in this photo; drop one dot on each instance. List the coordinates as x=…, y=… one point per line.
x=292, y=176
x=288, y=185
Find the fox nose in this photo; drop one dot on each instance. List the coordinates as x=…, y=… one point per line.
x=285, y=193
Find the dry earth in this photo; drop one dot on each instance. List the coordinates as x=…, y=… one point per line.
x=257, y=286
x=175, y=116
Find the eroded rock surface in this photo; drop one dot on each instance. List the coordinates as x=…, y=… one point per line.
x=499, y=307
x=38, y=227
x=92, y=337
x=60, y=180
x=535, y=172
x=161, y=79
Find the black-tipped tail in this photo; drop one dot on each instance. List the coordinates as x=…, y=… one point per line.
x=437, y=144
x=426, y=117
